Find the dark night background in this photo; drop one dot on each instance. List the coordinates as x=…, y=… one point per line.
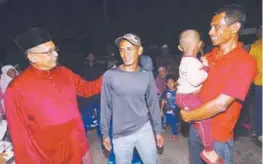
x=80, y=26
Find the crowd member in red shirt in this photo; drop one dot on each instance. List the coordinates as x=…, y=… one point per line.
x=41, y=106
x=231, y=72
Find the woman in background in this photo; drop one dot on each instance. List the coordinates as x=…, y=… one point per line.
x=9, y=72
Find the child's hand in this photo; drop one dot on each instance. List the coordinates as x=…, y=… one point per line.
x=204, y=61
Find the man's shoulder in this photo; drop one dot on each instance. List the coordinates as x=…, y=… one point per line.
x=243, y=63
x=244, y=58
x=22, y=80
x=63, y=69
x=110, y=72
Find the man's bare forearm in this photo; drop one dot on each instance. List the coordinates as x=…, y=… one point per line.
x=211, y=108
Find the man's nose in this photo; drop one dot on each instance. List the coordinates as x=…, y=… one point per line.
x=55, y=53
x=211, y=31
x=125, y=52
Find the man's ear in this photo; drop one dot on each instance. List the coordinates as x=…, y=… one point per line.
x=180, y=48
x=236, y=27
x=31, y=58
x=140, y=50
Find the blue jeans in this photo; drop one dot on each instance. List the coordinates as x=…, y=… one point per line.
x=112, y=160
x=224, y=150
x=136, y=159
x=143, y=140
x=172, y=120
x=87, y=113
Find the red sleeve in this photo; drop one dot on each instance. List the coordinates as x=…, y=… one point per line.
x=239, y=80
x=86, y=88
x=17, y=128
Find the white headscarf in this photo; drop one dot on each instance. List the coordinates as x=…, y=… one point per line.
x=5, y=79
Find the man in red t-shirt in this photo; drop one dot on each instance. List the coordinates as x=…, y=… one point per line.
x=231, y=72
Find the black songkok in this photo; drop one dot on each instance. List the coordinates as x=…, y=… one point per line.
x=32, y=38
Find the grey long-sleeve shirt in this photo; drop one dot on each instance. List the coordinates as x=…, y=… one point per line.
x=128, y=98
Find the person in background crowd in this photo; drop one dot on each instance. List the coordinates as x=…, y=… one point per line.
x=256, y=52
x=112, y=63
x=128, y=97
x=145, y=62
x=41, y=106
x=171, y=110
x=9, y=72
x=91, y=71
x=160, y=79
x=222, y=92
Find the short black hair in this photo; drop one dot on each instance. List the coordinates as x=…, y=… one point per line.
x=234, y=13
x=170, y=77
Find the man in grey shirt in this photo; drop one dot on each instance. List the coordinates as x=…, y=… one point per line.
x=130, y=99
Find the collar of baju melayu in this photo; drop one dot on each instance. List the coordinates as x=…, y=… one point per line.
x=41, y=73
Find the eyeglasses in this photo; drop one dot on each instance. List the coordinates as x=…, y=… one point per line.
x=49, y=53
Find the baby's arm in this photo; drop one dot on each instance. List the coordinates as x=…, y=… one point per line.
x=205, y=63
x=195, y=75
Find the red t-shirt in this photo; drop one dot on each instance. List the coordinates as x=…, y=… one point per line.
x=231, y=75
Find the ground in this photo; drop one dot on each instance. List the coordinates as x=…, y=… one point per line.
x=176, y=152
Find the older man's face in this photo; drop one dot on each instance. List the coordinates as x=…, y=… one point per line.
x=44, y=56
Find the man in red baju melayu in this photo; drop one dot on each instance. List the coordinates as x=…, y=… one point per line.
x=41, y=107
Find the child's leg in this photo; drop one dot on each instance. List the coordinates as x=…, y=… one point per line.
x=136, y=159
x=175, y=125
x=111, y=158
x=205, y=134
x=173, y=122
x=168, y=119
x=204, y=131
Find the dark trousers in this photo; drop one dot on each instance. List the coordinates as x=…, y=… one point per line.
x=258, y=109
